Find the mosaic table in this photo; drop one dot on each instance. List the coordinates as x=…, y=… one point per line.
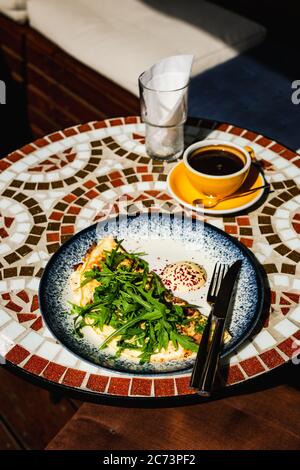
x=62, y=183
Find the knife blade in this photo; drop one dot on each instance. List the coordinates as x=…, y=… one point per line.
x=222, y=309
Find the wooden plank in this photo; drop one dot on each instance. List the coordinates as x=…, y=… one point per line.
x=29, y=412
x=7, y=440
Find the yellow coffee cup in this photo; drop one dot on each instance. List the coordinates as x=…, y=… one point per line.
x=217, y=167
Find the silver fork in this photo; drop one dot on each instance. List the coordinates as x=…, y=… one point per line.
x=217, y=277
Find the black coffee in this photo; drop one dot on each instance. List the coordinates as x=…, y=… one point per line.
x=216, y=162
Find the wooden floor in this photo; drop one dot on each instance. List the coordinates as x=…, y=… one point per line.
x=28, y=418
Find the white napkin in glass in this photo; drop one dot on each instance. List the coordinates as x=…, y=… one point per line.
x=165, y=104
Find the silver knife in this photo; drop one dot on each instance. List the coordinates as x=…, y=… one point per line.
x=222, y=309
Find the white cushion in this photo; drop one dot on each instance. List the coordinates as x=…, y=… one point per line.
x=122, y=38
x=13, y=4
x=20, y=16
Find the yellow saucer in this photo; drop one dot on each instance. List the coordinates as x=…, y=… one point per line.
x=184, y=192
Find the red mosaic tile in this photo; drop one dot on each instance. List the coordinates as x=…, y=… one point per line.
x=263, y=141
x=252, y=366
x=70, y=131
x=137, y=136
x=97, y=383
x=183, y=386
x=24, y=296
x=15, y=157
x=38, y=324
x=35, y=364
x=142, y=197
x=99, y=125
x=28, y=148
x=222, y=127
x=5, y=296
x=41, y=142
x=67, y=229
x=297, y=334
x=52, y=237
x=55, y=137
x=4, y=165
x=56, y=215
x=141, y=387
x=297, y=163
x=271, y=358
x=8, y=221
x=294, y=297
x=152, y=193
x=247, y=242
x=115, y=122
x=23, y=317
x=243, y=221
x=296, y=227
x=164, y=387
x=250, y=135
x=84, y=128
x=147, y=177
x=232, y=229
x=70, y=198
x=273, y=297
x=92, y=194
x=288, y=154
x=288, y=347
x=277, y=148
x=142, y=169
x=117, y=183
x=285, y=310
x=131, y=120
x=236, y=130
x=115, y=175
x=14, y=307
x=34, y=303
x=74, y=210
x=233, y=374
x=284, y=301
x=3, y=233
x=119, y=386
x=54, y=371
x=74, y=377
x=164, y=197
x=89, y=184
x=17, y=354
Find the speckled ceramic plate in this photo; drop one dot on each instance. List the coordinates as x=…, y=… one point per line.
x=165, y=238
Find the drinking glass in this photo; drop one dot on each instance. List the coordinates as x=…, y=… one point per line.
x=164, y=111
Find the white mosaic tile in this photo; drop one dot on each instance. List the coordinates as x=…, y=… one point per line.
x=22, y=217
x=264, y=340
x=4, y=317
x=24, y=176
x=287, y=234
x=17, y=284
x=291, y=171
x=246, y=351
x=282, y=213
x=293, y=244
x=6, y=175
x=296, y=284
x=12, y=331
x=17, y=237
x=66, y=358
x=31, y=341
x=280, y=280
x=282, y=223
x=295, y=315
x=4, y=248
x=3, y=286
x=49, y=350
x=33, y=283
x=286, y=328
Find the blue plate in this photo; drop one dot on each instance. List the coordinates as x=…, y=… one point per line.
x=165, y=238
